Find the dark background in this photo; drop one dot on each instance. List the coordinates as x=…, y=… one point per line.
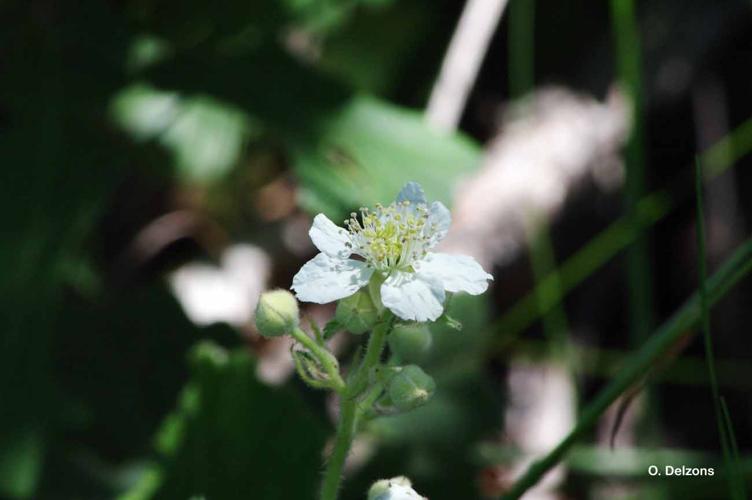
x=107, y=389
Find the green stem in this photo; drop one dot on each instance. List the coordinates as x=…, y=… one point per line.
x=348, y=409
x=543, y=263
x=376, y=344
x=658, y=345
x=624, y=22
x=342, y=443
x=739, y=489
x=328, y=362
x=521, y=47
x=371, y=396
x=705, y=322
x=364, y=412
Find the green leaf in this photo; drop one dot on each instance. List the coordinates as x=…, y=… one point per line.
x=233, y=437
x=368, y=149
x=402, y=28
x=205, y=136
x=333, y=326
x=20, y=463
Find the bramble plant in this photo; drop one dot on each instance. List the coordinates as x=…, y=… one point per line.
x=388, y=281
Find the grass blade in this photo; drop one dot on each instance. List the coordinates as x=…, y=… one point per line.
x=604, y=246
x=705, y=323
x=521, y=47
x=736, y=471
x=543, y=263
x=656, y=347
x=626, y=33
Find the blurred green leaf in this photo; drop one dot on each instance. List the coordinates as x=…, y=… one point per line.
x=233, y=437
x=59, y=164
x=205, y=136
x=350, y=54
x=348, y=149
x=192, y=24
x=368, y=149
x=20, y=463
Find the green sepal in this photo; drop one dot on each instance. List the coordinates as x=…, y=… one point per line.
x=357, y=313
x=451, y=322
x=332, y=327
x=410, y=388
x=410, y=342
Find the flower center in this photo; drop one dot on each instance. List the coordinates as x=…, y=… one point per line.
x=391, y=237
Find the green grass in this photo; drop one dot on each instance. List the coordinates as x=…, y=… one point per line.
x=521, y=47
x=738, y=487
x=628, y=59
x=599, y=362
x=543, y=263
x=658, y=346
x=616, y=237
x=521, y=74
x=723, y=421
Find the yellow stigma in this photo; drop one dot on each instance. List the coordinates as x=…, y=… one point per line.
x=390, y=237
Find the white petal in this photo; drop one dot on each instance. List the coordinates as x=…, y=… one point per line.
x=412, y=297
x=456, y=273
x=399, y=492
x=329, y=238
x=325, y=279
x=438, y=222
x=412, y=192
x=397, y=488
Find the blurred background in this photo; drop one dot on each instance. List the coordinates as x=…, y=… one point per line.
x=162, y=161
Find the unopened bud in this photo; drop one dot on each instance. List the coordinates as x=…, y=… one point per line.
x=276, y=313
x=410, y=341
x=356, y=313
x=398, y=488
x=411, y=388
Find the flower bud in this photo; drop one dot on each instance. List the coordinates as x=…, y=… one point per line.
x=410, y=341
x=410, y=388
x=276, y=313
x=397, y=488
x=356, y=313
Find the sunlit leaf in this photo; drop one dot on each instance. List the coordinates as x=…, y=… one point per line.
x=205, y=136
x=368, y=149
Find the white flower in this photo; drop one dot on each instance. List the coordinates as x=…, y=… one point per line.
x=397, y=488
x=393, y=241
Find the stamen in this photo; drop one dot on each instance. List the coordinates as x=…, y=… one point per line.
x=390, y=237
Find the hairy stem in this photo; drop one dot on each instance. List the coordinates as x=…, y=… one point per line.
x=342, y=442
x=348, y=409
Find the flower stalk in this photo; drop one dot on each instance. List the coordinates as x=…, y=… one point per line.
x=347, y=424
